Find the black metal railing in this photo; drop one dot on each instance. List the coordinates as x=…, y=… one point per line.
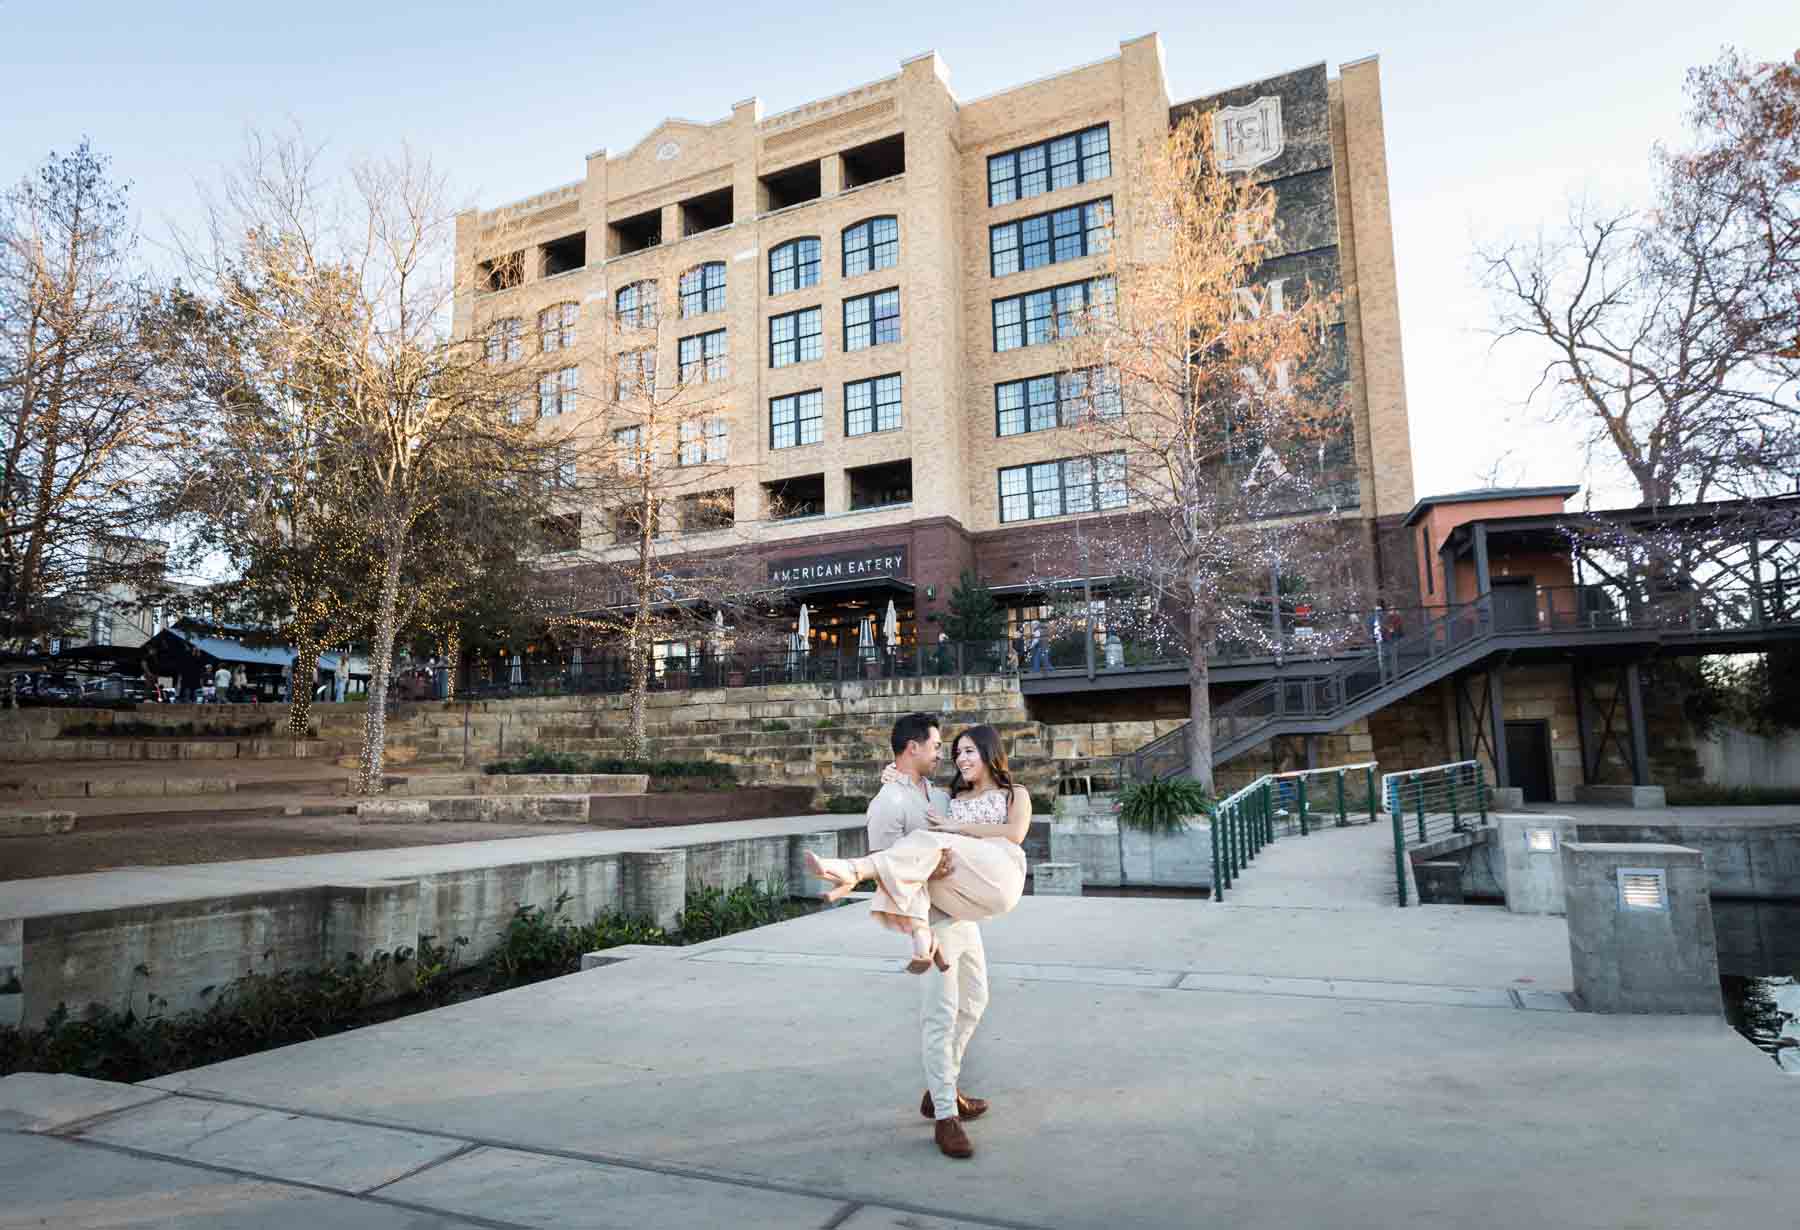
x=1353, y=664
x=1394, y=665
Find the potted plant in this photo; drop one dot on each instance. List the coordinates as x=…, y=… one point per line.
x=1152, y=840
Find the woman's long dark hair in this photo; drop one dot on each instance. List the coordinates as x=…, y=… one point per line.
x=987, y=745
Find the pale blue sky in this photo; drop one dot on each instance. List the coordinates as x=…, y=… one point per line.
x=1495, y=112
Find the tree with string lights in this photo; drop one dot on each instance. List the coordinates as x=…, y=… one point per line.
x=1205, y=406
x=348, y=288
x=666, y=489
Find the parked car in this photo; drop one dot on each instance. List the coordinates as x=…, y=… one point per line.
x=57, y=689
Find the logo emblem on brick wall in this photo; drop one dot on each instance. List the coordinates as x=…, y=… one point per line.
x=668, y=151
x=1247, y=137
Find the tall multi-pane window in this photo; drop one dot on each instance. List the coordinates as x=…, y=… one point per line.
x=703, y=442
x=1061, y=163
x=1089, y=393
x=628, y=448
x=1047, y=315
x=556, y=391
x=872, y=405
x=703, y=357
x=635, y=305
x=506, y=340
x=872, y=320
x=556, y=327
x=793, y=266
x=1056, y=488
x=703, y=289
x=797, y=337
x=637, y=373
x=871, y=245
x=1044, y=239
x=797, y=419
x=1025, y=405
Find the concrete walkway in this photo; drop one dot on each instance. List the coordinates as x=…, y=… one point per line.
x=1329, y=868
x=1151, y=1063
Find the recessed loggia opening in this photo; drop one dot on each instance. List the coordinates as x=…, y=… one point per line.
x=792, y=498
x=880, y=486
x=707, y=212
x=794, y=186
x=564, y=255
x=503, y=272
x=881, y=159
x=636, y=233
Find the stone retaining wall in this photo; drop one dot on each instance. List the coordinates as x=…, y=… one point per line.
x=187, y=949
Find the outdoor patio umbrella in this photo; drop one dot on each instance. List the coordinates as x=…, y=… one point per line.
x=518, y=670
x=805, y=631
x=890, y=628
x=575, y=660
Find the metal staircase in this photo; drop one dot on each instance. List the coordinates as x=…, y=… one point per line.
x=1463, y=637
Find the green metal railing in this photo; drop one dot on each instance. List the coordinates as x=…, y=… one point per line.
x=1279, y=805
x=1431, y=803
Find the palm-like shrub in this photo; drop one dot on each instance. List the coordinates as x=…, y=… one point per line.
x=1163, y=806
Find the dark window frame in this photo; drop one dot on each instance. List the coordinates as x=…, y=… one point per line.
x=1028, y=299
x=703, y=292
x=643, y=310
x=797, y=342
x=874, y=408
x=798, y=421
x=1087, y=164
x=1093, y=484
x=876, y=318
x=1092, y=223
x=871, y=247
x=816, y=264
x=713, y=367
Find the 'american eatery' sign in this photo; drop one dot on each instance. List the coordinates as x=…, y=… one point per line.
x=844, y=566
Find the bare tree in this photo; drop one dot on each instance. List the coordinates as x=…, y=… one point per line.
x=347, y=288
x=669, y=565
x=1669, y=334
x=82, y=420
x=1207, y=406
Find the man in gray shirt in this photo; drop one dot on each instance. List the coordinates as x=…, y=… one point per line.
x=951, y=1002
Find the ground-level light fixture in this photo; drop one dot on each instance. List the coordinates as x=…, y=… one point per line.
x=1540, y=841
x=1643, y=888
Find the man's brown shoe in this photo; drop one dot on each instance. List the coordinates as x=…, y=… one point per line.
x=966, y=1108
x=952, y=1141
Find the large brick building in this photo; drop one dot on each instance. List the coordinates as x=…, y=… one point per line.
x=867, y=276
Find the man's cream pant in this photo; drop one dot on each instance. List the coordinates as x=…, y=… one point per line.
x=950, y=1008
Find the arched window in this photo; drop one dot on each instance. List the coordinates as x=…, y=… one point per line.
x=505, y=340
x=793, y=266
x=635, y=305
x=871, y=244
x=556, y=327
x=703, y=289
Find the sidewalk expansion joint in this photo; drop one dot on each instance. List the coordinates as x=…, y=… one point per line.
x=725, y=1179
x=1362, y=990
x=470, y=1219
x=421, y=1168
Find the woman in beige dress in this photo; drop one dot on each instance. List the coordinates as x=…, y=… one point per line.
x=989, y=817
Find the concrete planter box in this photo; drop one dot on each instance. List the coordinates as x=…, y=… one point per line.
x=1111, y=856
x=1091, y=842
x=1167, y=860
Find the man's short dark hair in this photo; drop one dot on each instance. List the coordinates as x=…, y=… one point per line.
x=913, y=728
